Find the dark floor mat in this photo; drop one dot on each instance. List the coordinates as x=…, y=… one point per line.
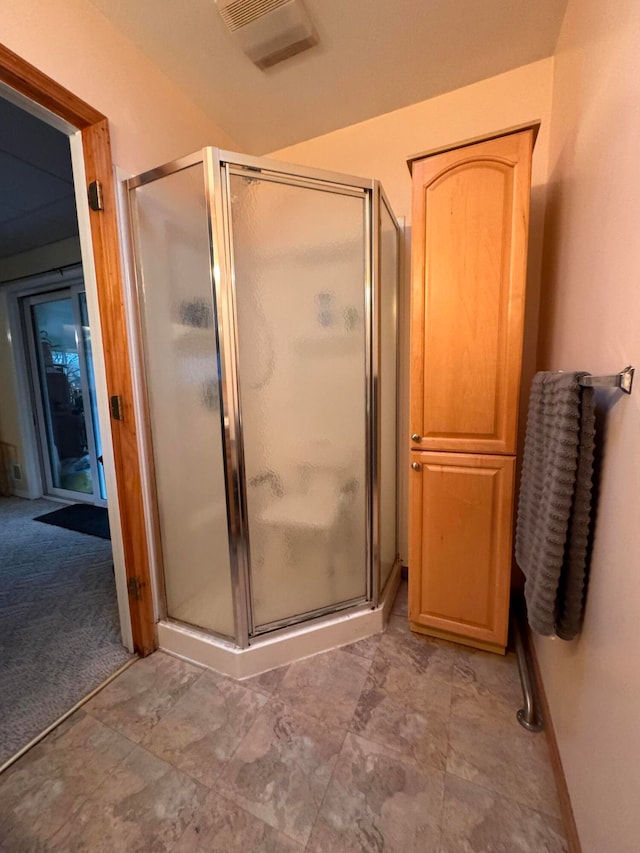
x=80, y=517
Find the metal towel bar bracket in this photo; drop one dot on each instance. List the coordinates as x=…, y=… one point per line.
x=622, y=380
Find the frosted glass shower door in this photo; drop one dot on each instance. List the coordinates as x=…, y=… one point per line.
x=300, y=266
x=180, y=343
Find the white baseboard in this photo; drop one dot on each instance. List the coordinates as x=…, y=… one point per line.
x=22, y=493
x=268, y=653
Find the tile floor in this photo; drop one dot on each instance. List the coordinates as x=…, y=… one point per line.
x=395, y=744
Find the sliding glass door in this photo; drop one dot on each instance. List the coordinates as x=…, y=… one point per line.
x=59, y=344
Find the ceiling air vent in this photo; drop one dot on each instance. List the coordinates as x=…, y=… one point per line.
x=268, y=30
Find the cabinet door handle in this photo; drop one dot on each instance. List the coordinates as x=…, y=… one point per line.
x=416, y=437
x=416, y=466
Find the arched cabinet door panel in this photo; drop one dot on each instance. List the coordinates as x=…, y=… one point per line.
x=470, y=224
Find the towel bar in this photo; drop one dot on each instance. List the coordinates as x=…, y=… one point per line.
x=622, y=380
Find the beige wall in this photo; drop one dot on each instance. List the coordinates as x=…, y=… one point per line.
x=60, y=254
x=151, y=120
x=591, y=321
x=11, y=450
x=379, y=148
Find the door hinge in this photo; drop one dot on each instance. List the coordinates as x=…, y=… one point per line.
x=116, y=408
x=135, y=587
x=95, y=196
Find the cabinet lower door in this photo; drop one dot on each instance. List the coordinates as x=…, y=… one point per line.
x=460, y=546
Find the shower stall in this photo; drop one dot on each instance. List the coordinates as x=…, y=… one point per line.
x=267, y=307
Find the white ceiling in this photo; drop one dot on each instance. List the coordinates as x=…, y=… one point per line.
x=374, y=56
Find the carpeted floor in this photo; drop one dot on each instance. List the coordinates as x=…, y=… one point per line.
x=59, y=630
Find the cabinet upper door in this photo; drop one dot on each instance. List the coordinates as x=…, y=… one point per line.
x=470, y=224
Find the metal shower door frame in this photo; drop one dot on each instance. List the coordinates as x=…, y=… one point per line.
x=382, y=201
x=219, y=165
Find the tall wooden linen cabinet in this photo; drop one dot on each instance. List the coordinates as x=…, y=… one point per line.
x=469, y=254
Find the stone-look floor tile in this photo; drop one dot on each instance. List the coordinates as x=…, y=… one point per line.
x=405, y=711
x=49, y=784
x=366, y=648
x=475, y=820
x=145, y=804
x=221, y=826
x=325, y=686
x=401, y=624
x=203, y=729
x=134, y=702
x=488, y=746
x=267, y=682
x=281, y=770
x=487, y=673
x=402, y=649
x=377, y=801
x=401, y=604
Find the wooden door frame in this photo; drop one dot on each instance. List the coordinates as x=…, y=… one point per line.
x=24, y=78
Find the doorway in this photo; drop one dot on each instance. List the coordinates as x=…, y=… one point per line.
x=88, y=129
x=60, y=631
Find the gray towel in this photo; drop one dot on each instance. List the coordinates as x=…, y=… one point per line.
x=554, y=508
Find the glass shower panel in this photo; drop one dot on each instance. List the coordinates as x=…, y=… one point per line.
x=179, y=324
x=300, y=268
x=388, y=391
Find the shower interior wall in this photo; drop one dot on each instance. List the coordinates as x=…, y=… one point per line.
x=298, y=364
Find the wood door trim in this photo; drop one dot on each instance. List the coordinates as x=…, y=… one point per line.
x=29, y=81
x=21, y=76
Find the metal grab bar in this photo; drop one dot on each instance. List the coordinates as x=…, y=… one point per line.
x=529, y=717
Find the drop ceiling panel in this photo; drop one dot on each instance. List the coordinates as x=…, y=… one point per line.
x=48, y=224
x=8, y=212
x=34, y=141
x=27, y=187
x=37, y=205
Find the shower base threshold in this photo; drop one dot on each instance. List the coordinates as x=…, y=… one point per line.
x=269, y=652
